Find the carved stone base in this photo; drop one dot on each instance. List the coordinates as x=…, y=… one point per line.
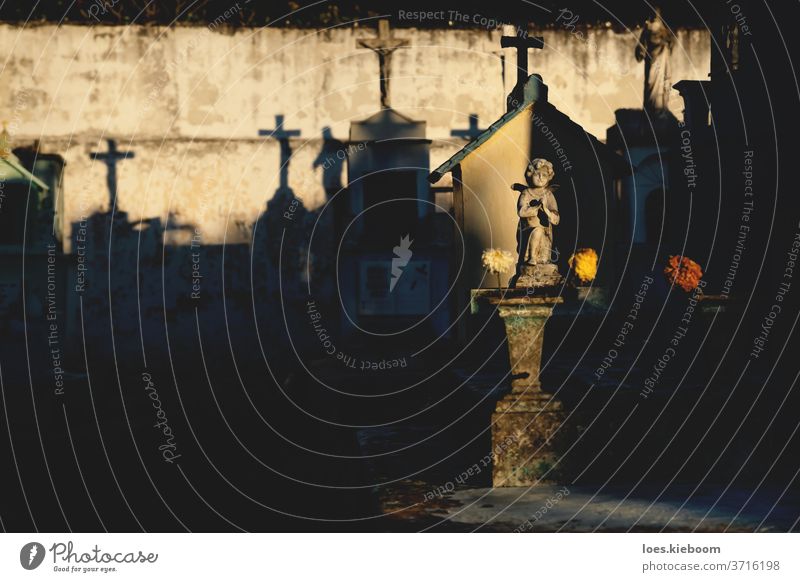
x=543, y=275
x=528, y=439
x=530, y=434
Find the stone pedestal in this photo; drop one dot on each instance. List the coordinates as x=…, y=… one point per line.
x=536, y=276
x=713, y=309
x=528, y=439
x=528, y=431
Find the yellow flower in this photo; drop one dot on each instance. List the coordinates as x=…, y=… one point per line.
x=497, y=260
x=584, y=264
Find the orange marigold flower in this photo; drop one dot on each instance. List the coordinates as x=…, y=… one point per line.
x=683, y=272
x=584, y=264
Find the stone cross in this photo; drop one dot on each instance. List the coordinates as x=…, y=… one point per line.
x=282, y=135
x=384, y=45
x=522, y=42
x=471, y=132
x=110, y=158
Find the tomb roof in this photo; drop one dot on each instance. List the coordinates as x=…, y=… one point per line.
x=535, y=92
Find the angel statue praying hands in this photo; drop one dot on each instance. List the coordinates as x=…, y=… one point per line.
x=538, y=213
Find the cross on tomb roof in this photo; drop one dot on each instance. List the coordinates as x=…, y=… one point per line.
x=383, y=45
x=522, y=42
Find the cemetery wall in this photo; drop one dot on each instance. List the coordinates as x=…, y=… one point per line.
x=188, y=103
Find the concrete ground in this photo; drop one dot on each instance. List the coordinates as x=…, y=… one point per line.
x=553, y=508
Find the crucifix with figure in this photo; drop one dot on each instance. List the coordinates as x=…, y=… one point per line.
x=522, y=42
x=111, y=157
x=282, y=134
x=384, y=45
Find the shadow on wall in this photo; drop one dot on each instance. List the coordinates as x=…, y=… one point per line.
x=156, y=290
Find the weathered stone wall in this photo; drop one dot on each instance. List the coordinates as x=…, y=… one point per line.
x=189, y=103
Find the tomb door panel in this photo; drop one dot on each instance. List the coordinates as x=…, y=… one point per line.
x=655, y=214
x=13, y=214
x=390, y=208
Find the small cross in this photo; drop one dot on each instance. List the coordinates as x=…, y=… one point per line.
x=384, y=45
x=522, y=42
x=110, y=158
x=282, y=135
x=471, y=132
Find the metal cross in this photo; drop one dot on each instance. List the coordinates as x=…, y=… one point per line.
x=522, y=42
x=384, y=45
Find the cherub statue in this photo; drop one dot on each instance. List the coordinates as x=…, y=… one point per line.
x=538, y=213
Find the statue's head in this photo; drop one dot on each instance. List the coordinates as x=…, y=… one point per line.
x=539, y=173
